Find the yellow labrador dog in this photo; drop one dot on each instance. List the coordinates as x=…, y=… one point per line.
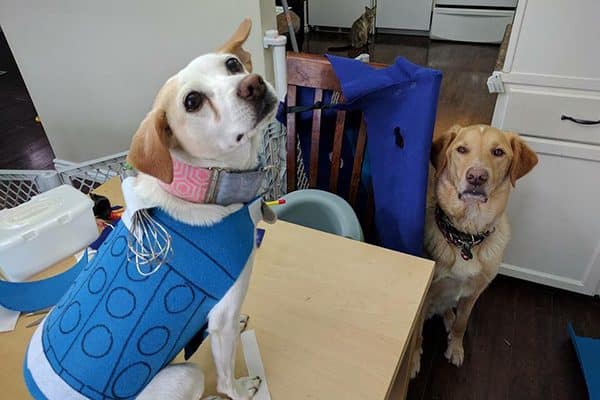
x=466, y=228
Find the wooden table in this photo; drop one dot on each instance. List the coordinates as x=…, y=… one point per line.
x=332, y=317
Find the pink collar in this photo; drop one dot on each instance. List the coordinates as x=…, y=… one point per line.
x=213, y=185
x=189, y=182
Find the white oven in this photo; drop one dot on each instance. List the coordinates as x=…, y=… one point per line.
x=482, y=21
x=478, y=3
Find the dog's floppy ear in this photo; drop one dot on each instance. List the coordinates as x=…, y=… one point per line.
x=524, y=159
x=235, y=42
x=439, y=148
x=149, y=151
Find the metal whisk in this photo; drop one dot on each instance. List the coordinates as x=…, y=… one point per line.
x=149, y=243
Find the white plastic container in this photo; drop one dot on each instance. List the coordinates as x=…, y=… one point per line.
x=49, y=227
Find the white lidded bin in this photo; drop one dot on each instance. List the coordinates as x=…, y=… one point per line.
x=46, y=229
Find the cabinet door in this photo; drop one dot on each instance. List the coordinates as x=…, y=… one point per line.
x=404, y=14
x=556, y=39
x=555, y=217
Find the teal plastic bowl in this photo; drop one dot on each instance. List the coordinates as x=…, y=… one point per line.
x=320, y=210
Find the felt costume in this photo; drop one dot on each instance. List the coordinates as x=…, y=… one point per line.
x=120, y=323
x=399, y=104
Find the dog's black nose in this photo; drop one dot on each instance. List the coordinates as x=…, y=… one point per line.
x=252, y=88
x=477, y=176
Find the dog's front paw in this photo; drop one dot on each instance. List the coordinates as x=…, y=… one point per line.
x=415, y=363
x=455, y=353
x=244, y=388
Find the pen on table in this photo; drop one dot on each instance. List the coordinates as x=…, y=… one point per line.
x=275, y=202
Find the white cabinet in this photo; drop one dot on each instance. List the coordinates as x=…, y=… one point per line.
x=335, y=13
x=555, y=218
x=404, y=14
x=537, y=111
x=557, y=38
x=550, y=71
x=478, y=3
x=391, y=14
x=470, y=24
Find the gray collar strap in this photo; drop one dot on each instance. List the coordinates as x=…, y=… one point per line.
x=230, y=187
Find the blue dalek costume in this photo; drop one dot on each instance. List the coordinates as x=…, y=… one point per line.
x=122, y=321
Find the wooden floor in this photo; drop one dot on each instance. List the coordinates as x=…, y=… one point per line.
x=516, y=346
x=23, y=142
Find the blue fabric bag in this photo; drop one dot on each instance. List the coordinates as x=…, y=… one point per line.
x=399, y=103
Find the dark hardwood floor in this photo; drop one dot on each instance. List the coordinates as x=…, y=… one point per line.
x=516, y=346
x=23, y=142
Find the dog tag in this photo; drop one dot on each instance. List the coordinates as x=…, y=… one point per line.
x=466, y=253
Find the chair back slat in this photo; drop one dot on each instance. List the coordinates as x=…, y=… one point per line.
x=291, y=139
x=315, y=71
x=314, y=141
x=369, y=216
x=361, y=143
x=337, y=151
x=311, y=70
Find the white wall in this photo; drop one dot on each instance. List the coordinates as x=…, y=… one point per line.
x=93, y=67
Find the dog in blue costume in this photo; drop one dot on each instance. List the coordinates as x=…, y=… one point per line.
x=178, y=264
x=117, y=327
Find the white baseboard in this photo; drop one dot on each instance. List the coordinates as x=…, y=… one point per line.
x=544, y=278
x=61, y=164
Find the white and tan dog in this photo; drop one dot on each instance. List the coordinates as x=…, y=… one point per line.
x=207, y=118
x=210, y=115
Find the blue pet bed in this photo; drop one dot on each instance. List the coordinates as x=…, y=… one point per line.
x=588, y=353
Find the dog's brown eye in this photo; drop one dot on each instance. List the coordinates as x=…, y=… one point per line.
x=233, y=65
x=462, y=149
x=498, y=152
x=193, y=101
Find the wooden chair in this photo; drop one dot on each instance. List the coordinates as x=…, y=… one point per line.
x=315, y=71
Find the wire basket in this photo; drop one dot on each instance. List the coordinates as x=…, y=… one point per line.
x=89, y=175
x=18, y=186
